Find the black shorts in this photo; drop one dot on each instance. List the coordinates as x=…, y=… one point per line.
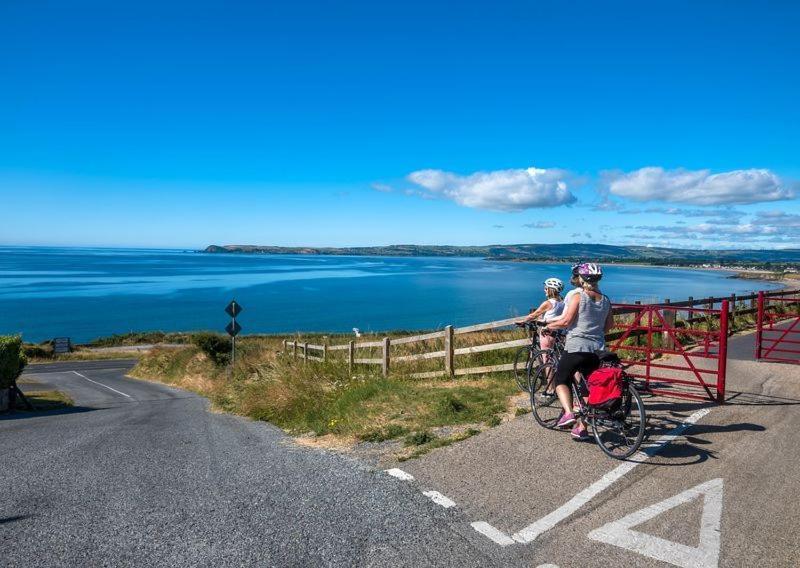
x=572, y=362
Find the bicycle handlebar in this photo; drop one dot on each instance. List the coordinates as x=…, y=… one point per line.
x=537, y=326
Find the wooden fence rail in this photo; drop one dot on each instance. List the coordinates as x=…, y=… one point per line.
x=740, y=306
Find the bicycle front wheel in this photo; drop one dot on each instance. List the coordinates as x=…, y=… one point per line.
x=620, y=431
x=522, y=363
x=544, y=403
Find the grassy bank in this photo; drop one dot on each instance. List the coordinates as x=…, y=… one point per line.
x=323, y=399
x=43, y=400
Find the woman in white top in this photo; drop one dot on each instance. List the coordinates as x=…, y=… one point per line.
x=549, y=310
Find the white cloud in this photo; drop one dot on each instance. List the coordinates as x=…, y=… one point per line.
x=540, y=225
x=382, y=187
x=699, y=187
x=501, y=190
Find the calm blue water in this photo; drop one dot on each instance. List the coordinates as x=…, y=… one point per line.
x=88, y=293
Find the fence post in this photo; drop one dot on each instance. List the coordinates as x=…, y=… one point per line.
x=325, y=350
x=690, y=313
x=669, y=322
x=753, y=301
x=305, y=351
x=722, y=367
x=284, y=346
x=638, y=334
x=351, y=348
x=294, y=348
x=385, y=363
x=449, y=368
x=732, y=319
x=759, y=324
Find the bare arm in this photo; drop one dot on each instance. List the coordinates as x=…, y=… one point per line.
x=539, y=311
x=609, y=320
x=569, y=315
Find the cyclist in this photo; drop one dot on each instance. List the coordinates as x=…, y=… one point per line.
x=587, y=318
x=550, y=309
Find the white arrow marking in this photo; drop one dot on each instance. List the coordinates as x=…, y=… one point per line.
x=619, y=533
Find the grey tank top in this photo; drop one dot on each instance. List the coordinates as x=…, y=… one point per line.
x=587, y=334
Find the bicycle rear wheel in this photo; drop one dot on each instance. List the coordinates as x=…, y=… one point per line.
x=620, y=431
x=544, y=404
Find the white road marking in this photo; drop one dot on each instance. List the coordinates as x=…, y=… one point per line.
x=492, y=533
x=439, y=499
x=532, y=531
x=619, y=533
x=400, y=474
x=101, y=384
x=33, y=372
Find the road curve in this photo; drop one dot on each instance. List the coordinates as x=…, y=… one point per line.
x=142, y=474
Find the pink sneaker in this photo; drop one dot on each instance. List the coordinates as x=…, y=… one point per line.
x=580, y=433
x=567, y=420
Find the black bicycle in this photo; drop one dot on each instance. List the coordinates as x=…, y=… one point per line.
x=530, y=357
x=618, y=428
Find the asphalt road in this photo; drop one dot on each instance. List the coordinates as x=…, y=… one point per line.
x=144, y=474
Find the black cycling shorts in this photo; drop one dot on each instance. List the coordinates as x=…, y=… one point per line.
x=586, y=363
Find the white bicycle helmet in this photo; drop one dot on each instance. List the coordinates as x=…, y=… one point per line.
x=555, y=284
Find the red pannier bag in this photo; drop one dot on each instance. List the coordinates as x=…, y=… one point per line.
x=605, y=386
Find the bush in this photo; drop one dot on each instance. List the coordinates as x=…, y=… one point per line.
x=216, y=347
x=12, y=360
x=38, y=351
x=419, y=438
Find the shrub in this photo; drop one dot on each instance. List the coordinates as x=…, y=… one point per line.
x=38, y=351
x=419, y=438
x=216, y=347
x=12, y=360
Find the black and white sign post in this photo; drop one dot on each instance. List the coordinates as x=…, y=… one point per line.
x=233, y=328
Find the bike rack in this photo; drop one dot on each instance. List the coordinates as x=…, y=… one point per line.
x=678, y=351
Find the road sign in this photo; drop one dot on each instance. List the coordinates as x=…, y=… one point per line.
x=62, y=345
x=233, y=328
x=233, y=309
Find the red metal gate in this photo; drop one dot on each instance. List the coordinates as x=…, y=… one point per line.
x=679, y=351
x=778, y=327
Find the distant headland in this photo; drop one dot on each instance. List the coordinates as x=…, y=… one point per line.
x=659, y=256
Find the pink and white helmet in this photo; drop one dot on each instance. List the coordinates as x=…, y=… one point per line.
x=590, y=271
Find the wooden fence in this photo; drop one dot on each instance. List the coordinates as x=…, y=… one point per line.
x=740, y=306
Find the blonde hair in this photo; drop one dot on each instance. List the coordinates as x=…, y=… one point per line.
x=590, y=286
x=552, y=294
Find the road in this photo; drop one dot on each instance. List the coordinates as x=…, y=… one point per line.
x=140, y=473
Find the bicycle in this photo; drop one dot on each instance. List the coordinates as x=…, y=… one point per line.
x=524, y=357
x=619, y=429
x=532, y=356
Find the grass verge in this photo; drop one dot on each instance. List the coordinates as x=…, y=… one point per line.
x=325, y=399
x=46, y=400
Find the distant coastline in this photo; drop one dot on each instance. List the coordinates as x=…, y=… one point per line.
x=765, y=264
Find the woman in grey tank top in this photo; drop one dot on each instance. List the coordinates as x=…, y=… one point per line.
x=587, y=318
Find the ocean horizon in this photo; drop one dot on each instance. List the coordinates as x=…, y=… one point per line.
x=89, y=292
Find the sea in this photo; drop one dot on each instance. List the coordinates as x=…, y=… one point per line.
x=86, y=293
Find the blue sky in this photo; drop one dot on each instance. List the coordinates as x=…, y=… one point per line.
x=180, y=124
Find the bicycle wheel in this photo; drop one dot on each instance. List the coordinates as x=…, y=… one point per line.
x=545, y=405
x=522, y=362
x=620, y=431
